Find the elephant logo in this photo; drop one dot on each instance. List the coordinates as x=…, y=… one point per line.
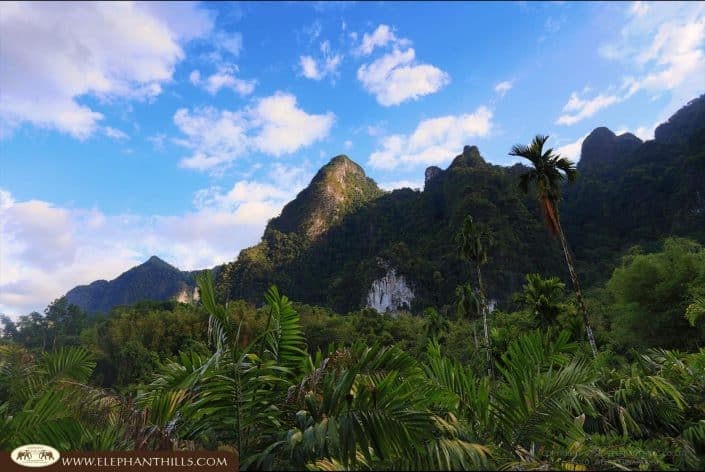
x=35, y=455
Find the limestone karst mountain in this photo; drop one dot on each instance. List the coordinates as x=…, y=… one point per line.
x=155, y=279
x=340, y=187
x=326, y=246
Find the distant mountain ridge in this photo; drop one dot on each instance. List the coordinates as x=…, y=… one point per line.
x=155, y=279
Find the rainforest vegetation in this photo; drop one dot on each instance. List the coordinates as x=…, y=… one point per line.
x=292, y=386
x=543, y=336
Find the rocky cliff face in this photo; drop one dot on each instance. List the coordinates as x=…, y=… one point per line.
x=188, y=295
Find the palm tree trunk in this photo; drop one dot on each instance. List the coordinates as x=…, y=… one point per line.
x=576, y=286
x=483, y=309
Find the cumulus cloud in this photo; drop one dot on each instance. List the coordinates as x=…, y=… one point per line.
x=216, y=137
x=223, y=78
x=396, y=77
x=110, y=50
x=434, y=141
x=283, y=127
x=275, y=125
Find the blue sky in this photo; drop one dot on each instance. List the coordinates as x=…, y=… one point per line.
x=128, y=130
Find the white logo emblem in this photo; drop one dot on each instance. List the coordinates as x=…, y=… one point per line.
x=34, y=455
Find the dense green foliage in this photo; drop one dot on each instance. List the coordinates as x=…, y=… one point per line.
x=450, y=385
x=246, y=379
x=651, y=294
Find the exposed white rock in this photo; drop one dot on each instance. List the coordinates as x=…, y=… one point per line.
x=390, y=293
x=491, y=305
x=185, y=297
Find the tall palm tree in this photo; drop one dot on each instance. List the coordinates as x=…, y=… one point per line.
x=471, y=246
x=549, y=170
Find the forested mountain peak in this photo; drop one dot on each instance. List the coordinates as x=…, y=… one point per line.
x=602, y=148
x=338, y=188
x=154, y=279
x=469, y=158
x=156, y=262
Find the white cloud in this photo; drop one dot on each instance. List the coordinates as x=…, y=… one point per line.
x=224, y=78
x=395, y=78
x=578, y=109
x=284, y=128
x=116, y=134
x=106, y=50
x=216, y=137
x=275, y=126
x=309, y=68
x=503, y=87
x=314, y=69
x=380, y=37
x=348, y=144
x=434, y=141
